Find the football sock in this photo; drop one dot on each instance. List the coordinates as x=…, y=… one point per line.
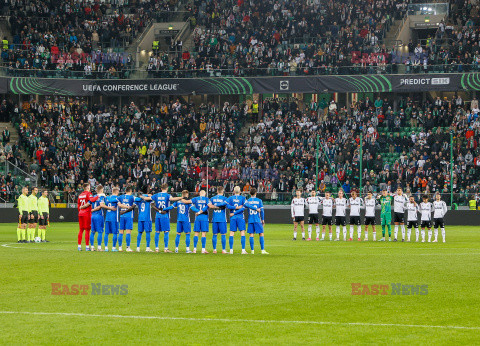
x=262, y=243
x=403, y=231
x=195, y=241
x=157, y=239
x=114, y=240
x=148, y=238
x=429, y=234
x=318, y=231
x=92, y=238
x=177, y=240
x=252, y=243
x=303, y=234
x=351, y=231
x=423, y=234
x=417, y=233
x=374, y=233
x=79, y=238
x=383, y=231
x=214, y=241
x=359, y=231
x=187, y=240
x=23, y=233
x=389, y=230
x=105, y=240
x=366, y=233
x=139, y=238
x=395, y=233
x=243, y=240
x=128, y=238
x=99, y=239
x=323, y=235
x=19, y=234
x=309, y=231
x=223, y=237
x=165, y=239
x=87, y=237
x=409, y=233
x=204, y=242
x=443, y=234
x=330, y=235
x=295, y=234
x=120, y=239
x=338, y=232
x=230, y=242
x=344, y=232
x=436, y=233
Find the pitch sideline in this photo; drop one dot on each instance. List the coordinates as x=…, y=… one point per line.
x=238, y=320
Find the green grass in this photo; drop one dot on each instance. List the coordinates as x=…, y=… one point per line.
x=200, y=299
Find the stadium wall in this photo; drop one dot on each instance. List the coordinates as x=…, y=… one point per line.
x=273, y=215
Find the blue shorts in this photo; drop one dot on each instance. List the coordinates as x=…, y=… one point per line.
x=183, y=227
x=200, y=226
x=97, y=224
x=144, y=226
x=237, y=224
x=111, y=227
x=219, y=227
x=255, y=228
x=162, y=224
x=126, y=223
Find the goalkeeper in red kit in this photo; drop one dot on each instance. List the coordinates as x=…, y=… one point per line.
x=85, y=215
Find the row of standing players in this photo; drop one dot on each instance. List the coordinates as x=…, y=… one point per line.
x=102, y=215
x=401, y=204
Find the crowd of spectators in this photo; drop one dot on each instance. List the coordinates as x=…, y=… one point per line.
x=72, y=143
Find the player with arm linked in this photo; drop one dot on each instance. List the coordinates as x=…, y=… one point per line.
x=426, y=209
x=84, y=205
x=355, y=204
x=313, y=203
x=412, y=218
x=399, y=203
x=219, y=220
x=143, y=203
x=183, y=220
x=98, y=219
x=161, y=201
x=33, y=219
x=112, y=219
x=327, y=204
x=439, y=211
x=126, y=219
x=43, y=215
x=340, y=215
x=23, y=215
x=237, y=218
x=370, y=204
x=256, y=220
x=199, y=205
x=298, y=213
x=386, y=213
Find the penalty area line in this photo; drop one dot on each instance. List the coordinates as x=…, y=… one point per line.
x=363, y=324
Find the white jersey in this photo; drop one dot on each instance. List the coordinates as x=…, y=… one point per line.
x=412, y=211
x=425, y=211
x=340, y=206
x=355, y=205
x=298, y=207
x=313, y=204
x=439, y=209
x=399, y=203
x=327, y=206
x=370, y=207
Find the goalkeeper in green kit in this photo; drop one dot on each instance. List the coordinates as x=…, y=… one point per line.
x=386, y=213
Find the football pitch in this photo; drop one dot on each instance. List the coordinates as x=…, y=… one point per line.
x=303, y=292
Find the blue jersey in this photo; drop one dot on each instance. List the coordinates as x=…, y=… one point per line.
x=182, y=211
x=128, y=200
x=219, y=215
x=236, y=201
x=162, y=201
x=254, y=216
x=112, y=201
x=101, y=212
x=200, y=204
x=144, y=209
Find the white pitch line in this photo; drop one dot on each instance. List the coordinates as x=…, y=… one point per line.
x=8, y=245
x=238, y=320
